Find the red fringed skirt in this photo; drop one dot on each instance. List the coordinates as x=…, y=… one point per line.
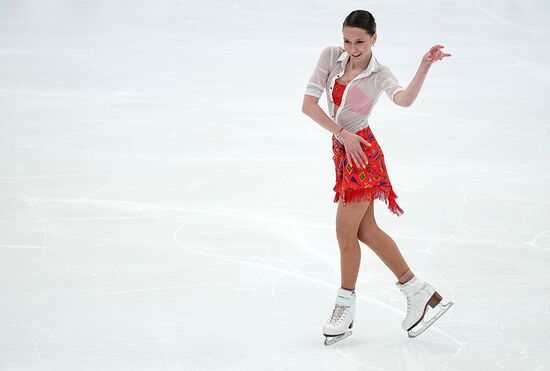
x=356, y=184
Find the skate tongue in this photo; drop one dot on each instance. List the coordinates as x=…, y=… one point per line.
x=345, y=297
x=411, y=287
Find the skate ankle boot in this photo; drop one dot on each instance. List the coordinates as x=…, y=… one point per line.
x=419, y=296
x=341, y=320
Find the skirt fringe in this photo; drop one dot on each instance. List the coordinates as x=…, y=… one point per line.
x=358, y=184
x=385, y=194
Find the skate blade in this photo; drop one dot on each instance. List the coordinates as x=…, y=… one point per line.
x=425, y=325
x=330, y=340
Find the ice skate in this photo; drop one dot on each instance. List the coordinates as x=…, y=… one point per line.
x=337, y=326
x=419, y=296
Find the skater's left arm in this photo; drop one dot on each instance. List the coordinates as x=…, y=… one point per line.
x=405, y=98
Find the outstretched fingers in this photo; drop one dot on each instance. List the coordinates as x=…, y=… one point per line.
x=436, y=54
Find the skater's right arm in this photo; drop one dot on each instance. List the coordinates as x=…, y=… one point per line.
x=316, y=86
x=311, y=107
x=352, y=142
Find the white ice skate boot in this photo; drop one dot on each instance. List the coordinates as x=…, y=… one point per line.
x=419, y=295
x=337, y=326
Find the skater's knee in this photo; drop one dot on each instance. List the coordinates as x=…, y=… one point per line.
x=345, y=233
x=348, y=242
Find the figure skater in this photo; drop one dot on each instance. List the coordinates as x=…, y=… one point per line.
x=353, y=80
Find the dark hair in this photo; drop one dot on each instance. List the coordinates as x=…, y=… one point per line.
x=361, y=19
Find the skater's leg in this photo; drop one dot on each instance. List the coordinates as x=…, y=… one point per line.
x=383, y=245
x=419, y=294
x=348, y=218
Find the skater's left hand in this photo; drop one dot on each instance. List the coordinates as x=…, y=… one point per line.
x=434, y=54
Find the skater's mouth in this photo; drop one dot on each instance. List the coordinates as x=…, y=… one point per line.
x=356, y=55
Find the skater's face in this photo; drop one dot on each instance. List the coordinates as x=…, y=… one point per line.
x=358, y=43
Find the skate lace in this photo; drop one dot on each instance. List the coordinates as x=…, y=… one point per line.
x=337, y=313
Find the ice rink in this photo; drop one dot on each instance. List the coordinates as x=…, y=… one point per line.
x=166, y=205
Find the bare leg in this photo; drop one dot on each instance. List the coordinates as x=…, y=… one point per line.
x=383, y=245
x=348, y=218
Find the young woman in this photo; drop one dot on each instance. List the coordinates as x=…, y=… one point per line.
x=353, y=80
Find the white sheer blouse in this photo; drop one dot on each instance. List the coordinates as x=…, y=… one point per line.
x=360, y=94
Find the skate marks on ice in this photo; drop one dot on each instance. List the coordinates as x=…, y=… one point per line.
x=534, y=243
x=187, y=245
x=510, y=24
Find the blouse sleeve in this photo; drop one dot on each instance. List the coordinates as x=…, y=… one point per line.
x=318, y=80
x=390, y=84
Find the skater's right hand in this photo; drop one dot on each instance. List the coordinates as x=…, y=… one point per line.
x=354, y=152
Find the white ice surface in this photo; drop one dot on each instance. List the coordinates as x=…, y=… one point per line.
x=165, y=205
